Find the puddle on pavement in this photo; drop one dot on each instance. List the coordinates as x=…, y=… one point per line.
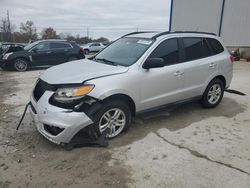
x=175, y=119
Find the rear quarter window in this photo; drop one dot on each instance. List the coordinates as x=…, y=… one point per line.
x=215, y=45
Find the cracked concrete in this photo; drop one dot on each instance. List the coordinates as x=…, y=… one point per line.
x=197, y=154
x=153, y=162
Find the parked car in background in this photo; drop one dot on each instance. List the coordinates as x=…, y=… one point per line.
x=93, y=47
x=42, y=53
x=236, y=54
x=139, y=72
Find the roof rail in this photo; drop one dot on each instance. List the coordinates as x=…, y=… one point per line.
x=176, y=32
x=138, y=32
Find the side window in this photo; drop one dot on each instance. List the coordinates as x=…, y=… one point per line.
x=42, y=46
x=206, y=50
x=193, y=48
x=167, y=50
x=58, y=45
x=215, y=45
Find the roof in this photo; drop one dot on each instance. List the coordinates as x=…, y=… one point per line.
x=53, y=40
x=154, y=34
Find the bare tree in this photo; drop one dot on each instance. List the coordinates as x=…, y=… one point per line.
x=28, y=30
x=49, y=33
x=5, y=28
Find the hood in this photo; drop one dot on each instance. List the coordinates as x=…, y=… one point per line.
x=79, y=71
x=19, y=53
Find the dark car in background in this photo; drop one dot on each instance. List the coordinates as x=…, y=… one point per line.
x=42, y=53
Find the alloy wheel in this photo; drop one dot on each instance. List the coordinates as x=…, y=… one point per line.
x=214, y=94
x=21, y=65
x=115, y=120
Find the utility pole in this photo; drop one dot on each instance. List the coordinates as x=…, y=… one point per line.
x=9, y=30
x=87, y=32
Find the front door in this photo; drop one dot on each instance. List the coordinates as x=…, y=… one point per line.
x=40, y=54
x=163, y=85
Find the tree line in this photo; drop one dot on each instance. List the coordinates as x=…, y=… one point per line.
x=28, y=32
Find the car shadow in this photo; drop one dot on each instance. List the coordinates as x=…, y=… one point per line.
x=175, y=119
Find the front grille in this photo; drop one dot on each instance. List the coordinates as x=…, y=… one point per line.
x=41, y=87
x=52, y=129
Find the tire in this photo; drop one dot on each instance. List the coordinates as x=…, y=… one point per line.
x=86, y=51
x=213, y=94
x=106, y=116
x=72, y=58
x=21, y=65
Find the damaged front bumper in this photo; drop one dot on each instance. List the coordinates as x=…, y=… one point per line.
x=58, y=125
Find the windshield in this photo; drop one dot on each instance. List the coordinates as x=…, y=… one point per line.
x=125, y=51
x=31, y=45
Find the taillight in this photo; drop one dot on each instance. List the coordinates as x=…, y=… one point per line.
x=81, y=50
x=231, y=58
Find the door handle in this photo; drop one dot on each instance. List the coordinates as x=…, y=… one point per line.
x=212, y=65
x=48, y=52
x=179, y=73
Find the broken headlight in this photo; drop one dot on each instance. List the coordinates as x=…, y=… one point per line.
x=72, y=93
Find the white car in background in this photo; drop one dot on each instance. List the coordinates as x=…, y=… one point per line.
x=93, y=47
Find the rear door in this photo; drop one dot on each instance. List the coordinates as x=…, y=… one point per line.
x=163, y=85
x=59, y=52
x=198, y=66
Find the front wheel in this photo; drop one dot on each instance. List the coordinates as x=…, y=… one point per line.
x=213, y=94
x=21, y=65
x=114, y=115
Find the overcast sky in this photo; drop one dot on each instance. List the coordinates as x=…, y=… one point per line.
x=108, y=18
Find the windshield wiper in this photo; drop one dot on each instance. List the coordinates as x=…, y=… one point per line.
x=106, y=61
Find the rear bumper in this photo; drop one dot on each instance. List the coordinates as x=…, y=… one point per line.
x=66, y=120
x=228, y=77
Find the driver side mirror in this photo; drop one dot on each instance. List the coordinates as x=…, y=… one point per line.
x=153, y=63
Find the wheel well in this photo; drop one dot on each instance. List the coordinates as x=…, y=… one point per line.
x=73, y=56
x=25, y=58
x=222, y=78
x=124, y=98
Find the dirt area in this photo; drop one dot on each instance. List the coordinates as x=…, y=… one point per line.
x=185, y=147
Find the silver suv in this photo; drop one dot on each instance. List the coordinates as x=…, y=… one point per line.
x=139, y=72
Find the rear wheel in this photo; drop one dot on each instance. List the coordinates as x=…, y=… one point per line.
x=86, y=51
x=21, y=65
x=114, y=115
x=213, y=94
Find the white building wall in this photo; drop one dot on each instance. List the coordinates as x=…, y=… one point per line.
x=236, y=23
x=205, y=15
x=196, y=15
